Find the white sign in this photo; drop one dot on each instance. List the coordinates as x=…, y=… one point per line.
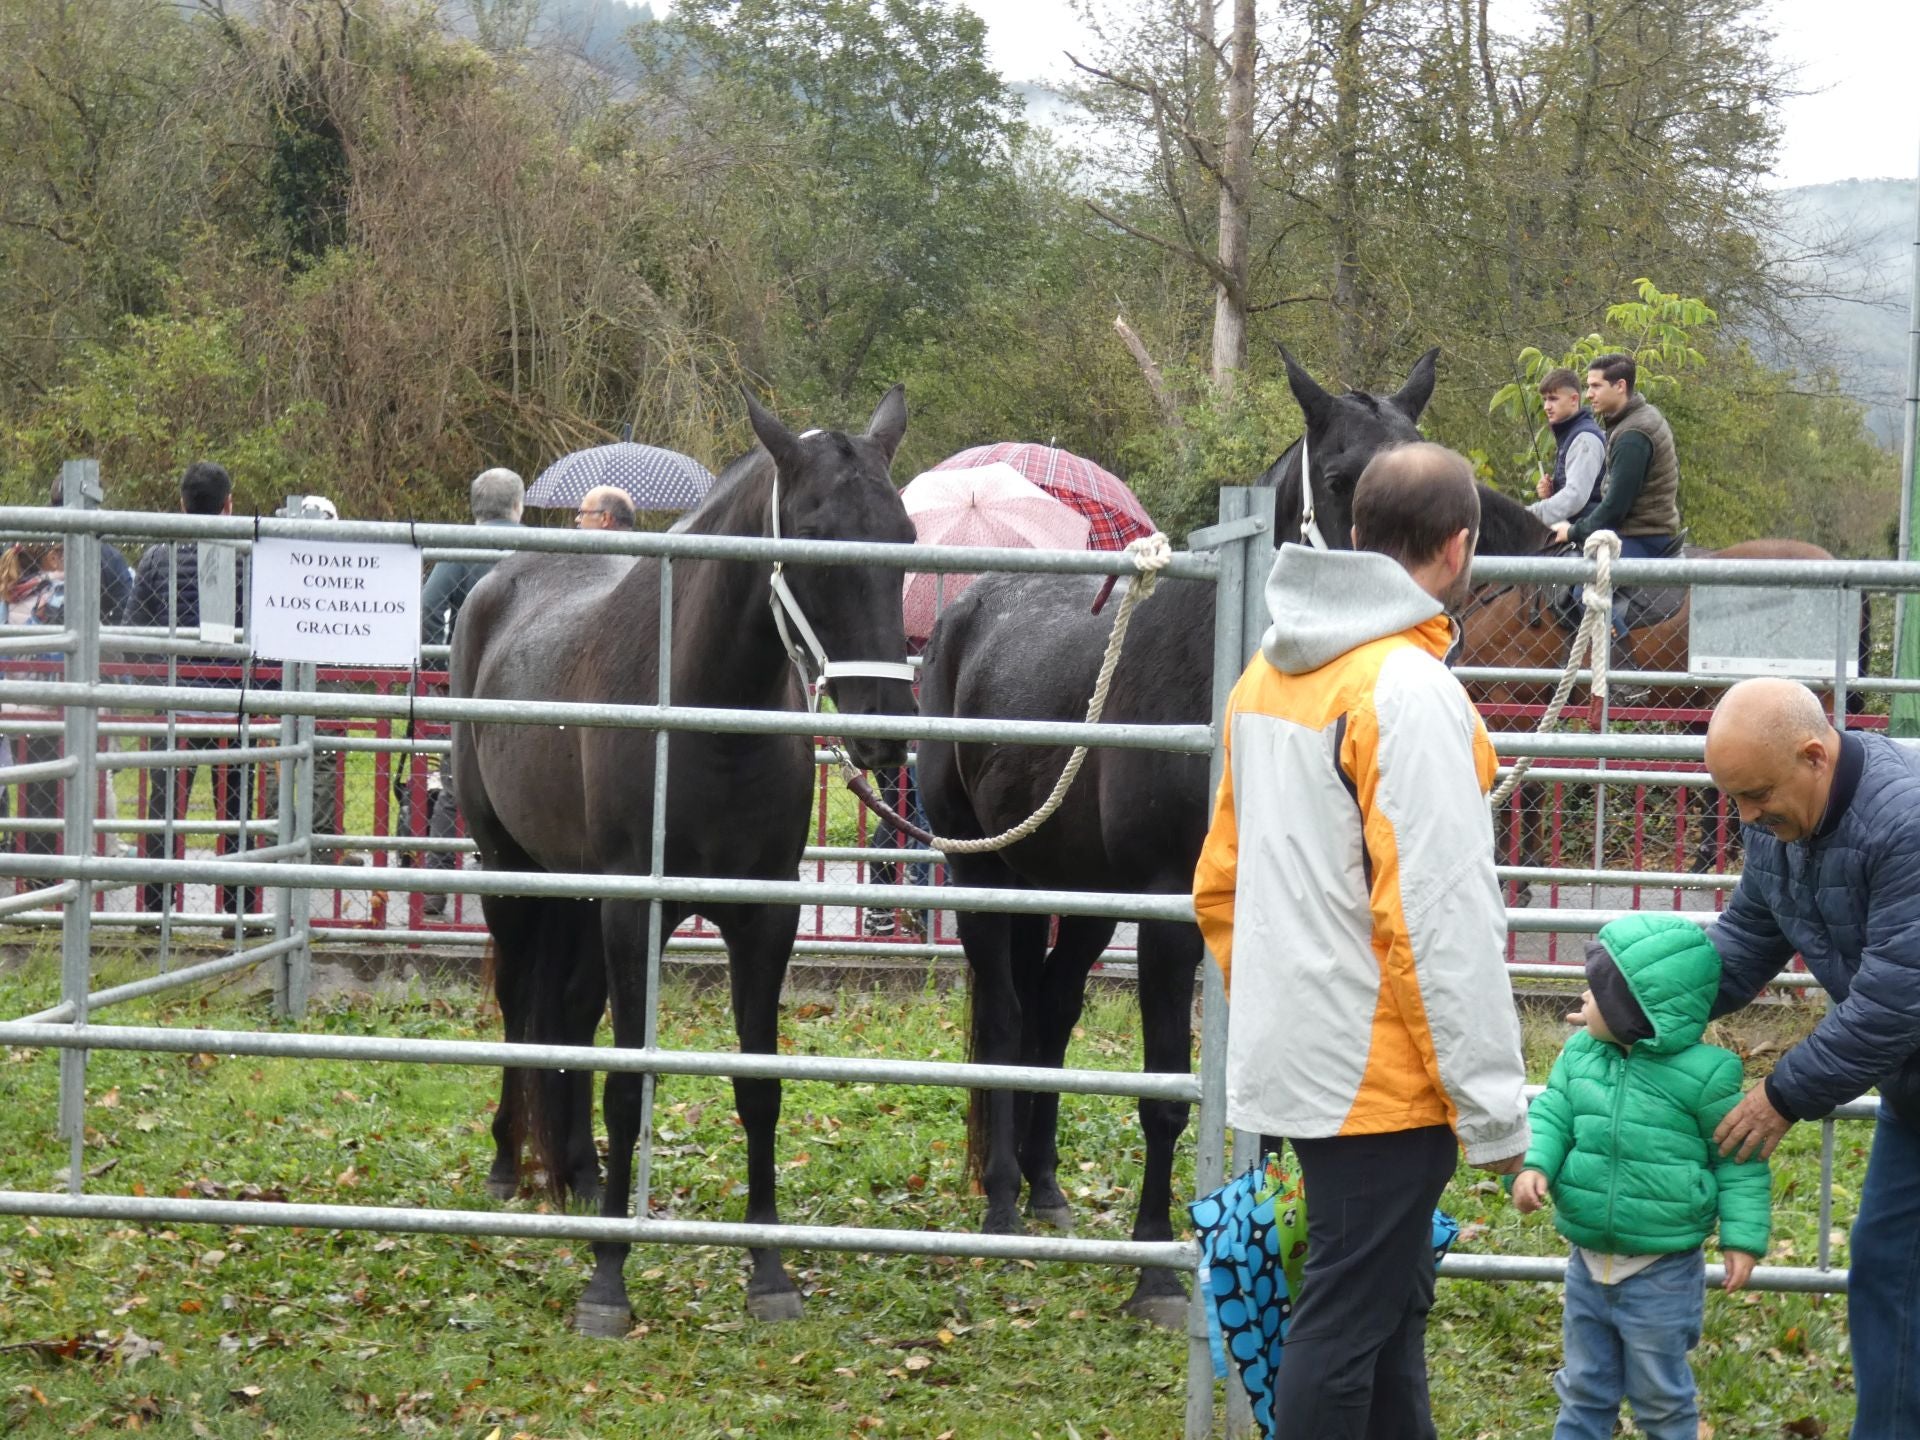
x=335, y=602
x=1798, y=634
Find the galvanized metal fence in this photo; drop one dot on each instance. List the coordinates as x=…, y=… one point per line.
x=1233, y=555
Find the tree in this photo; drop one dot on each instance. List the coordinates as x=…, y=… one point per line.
x=868, y=147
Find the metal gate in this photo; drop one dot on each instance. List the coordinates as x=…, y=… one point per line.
x=1234, y=555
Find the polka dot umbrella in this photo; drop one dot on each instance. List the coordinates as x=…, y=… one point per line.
x=655, y=478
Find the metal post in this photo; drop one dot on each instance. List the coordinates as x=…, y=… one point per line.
x=1906, y=626
x=1845, y=641
x=79, y=490
x=169, y=776
x=285, y=833
x=1240, y=571
x=658, y=868
x=301, y=676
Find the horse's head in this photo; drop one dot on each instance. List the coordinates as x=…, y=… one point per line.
x=1343, y=433
x=834, y=486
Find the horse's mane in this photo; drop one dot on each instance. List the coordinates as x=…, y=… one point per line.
x=736, y=505
x=1509, y=528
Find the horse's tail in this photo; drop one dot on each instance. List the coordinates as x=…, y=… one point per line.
x=565, y=992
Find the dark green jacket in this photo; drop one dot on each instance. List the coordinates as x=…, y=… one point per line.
x=1642, y=494
x=1625, y=1137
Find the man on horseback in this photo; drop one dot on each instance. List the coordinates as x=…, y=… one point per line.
x=1641, y=503
x=1572, y=491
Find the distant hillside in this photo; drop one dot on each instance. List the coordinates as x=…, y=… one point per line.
x=1861, y=320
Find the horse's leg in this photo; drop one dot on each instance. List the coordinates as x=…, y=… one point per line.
x=759, y=945
x=1062, y=996
x=583, y=1003
x=604, y=1308
x=1170, y=954
x=994, y=1038
x=562, y=997
x=510, y=922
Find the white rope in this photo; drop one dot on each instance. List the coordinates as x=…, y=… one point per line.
x=1593, y=637
x=1150, y=556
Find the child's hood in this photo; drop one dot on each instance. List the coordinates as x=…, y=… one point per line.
x=1673, y=971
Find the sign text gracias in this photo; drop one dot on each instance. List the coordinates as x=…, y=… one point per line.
x=335, y=602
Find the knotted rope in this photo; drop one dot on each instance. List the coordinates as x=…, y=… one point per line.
x=1150, y=555
x=1593, y=637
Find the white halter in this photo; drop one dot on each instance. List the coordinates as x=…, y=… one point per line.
x=1309, y=527
x=786, y=607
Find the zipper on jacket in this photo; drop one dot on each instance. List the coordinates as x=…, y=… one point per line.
x=1613, y=1170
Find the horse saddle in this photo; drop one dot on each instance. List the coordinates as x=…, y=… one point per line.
x=1646, y=605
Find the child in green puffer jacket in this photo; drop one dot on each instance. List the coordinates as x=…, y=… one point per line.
x=1623, y=1140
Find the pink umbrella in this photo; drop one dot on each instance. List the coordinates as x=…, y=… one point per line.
x=985, y=505
x=1103, y=497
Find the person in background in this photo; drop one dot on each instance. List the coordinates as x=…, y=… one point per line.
x=1572, y=490
x=496, y=497
x=605, y=507
x=33, y=592
x=166, y=595
x=1347, y=891
x=1641, y=502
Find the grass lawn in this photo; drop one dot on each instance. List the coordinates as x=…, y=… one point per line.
x=267, y=1332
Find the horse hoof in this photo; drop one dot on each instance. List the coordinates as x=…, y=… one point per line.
x=502, y=1189
x=602, y=1322
x=1163, y=1312
x=585, y=1201
x=1057, y=1217
x=776, y=1306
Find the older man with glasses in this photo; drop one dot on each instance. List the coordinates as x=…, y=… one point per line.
x=605, y=507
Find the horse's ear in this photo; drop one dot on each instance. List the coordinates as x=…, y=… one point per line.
x=772, y=434
x=888, y=427
x=1306, y=390
x=1411, y=398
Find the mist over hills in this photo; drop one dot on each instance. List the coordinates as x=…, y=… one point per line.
x=1857, y=318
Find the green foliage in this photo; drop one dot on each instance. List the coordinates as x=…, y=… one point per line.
x=351, y=250
x=167, y=391
x=1662, y=333
x=1759, y=455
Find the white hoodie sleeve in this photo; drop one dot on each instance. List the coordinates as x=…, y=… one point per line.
x=1431, y=792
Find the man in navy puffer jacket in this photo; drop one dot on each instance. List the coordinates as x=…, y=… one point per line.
x=1832, y=832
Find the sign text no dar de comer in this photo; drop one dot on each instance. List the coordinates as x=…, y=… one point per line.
x=337, y=602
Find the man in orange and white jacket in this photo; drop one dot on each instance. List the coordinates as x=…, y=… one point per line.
x=1347, y=891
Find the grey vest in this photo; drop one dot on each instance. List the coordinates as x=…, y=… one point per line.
x=1656, y=510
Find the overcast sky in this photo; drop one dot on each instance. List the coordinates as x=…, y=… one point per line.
x=1857, y=57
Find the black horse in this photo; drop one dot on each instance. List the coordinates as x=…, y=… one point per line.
x=1028, y=647
x=584, y=628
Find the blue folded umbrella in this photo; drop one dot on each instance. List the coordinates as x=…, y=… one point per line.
x=1252, y=1235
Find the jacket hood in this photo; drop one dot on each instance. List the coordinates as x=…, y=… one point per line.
x=1326, y=602
x=1673, y=971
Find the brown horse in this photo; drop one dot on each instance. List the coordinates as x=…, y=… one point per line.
x=1523, y=626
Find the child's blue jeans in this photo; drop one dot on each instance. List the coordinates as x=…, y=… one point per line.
x=1630, y=1341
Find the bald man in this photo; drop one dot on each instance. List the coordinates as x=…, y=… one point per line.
x=1832, y=832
